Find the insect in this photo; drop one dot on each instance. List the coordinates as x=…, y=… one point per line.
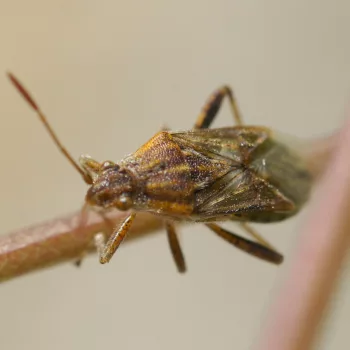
x=240, y=173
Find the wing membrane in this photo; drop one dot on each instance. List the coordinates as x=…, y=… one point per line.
x=267, y=180
x=235, y=144
x=241, y=193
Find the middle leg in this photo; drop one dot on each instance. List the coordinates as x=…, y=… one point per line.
x=175, y=247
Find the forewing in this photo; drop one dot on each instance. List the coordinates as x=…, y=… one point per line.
x=265, y=183
x=234, y=144
x=242, y=194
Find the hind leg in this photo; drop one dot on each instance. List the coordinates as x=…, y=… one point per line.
x=250, y=247
x=212, y=107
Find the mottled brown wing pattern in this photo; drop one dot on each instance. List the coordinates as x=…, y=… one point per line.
x=255, y=188
x=242, y=195
x=235, y=144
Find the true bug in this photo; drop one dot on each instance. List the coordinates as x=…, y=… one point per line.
x=240, y=173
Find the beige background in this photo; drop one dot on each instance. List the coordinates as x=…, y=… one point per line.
x=109, y=74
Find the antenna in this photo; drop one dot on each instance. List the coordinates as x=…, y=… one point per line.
x=87, y=178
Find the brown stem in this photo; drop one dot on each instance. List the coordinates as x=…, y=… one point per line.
x=60, y=240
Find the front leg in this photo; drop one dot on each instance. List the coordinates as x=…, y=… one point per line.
x=107, y=251
x=213, y=105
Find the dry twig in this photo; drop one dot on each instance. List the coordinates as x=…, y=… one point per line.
x=60, y=240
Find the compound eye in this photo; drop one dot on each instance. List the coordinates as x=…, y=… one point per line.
x=124, y=202
x=107, y=165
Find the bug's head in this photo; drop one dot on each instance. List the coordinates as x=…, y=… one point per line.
x=112, y=186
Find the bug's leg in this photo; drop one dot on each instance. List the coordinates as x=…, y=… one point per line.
x=247, y=228
x=175, y=247
x=78, y=262
x=115, y=239
x=100, y=242
x=246, y=245
x=99, y=238
x=82, y=222
x=211, y=108
x=165, y=128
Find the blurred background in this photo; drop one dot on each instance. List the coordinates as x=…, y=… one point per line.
x=109, y=74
